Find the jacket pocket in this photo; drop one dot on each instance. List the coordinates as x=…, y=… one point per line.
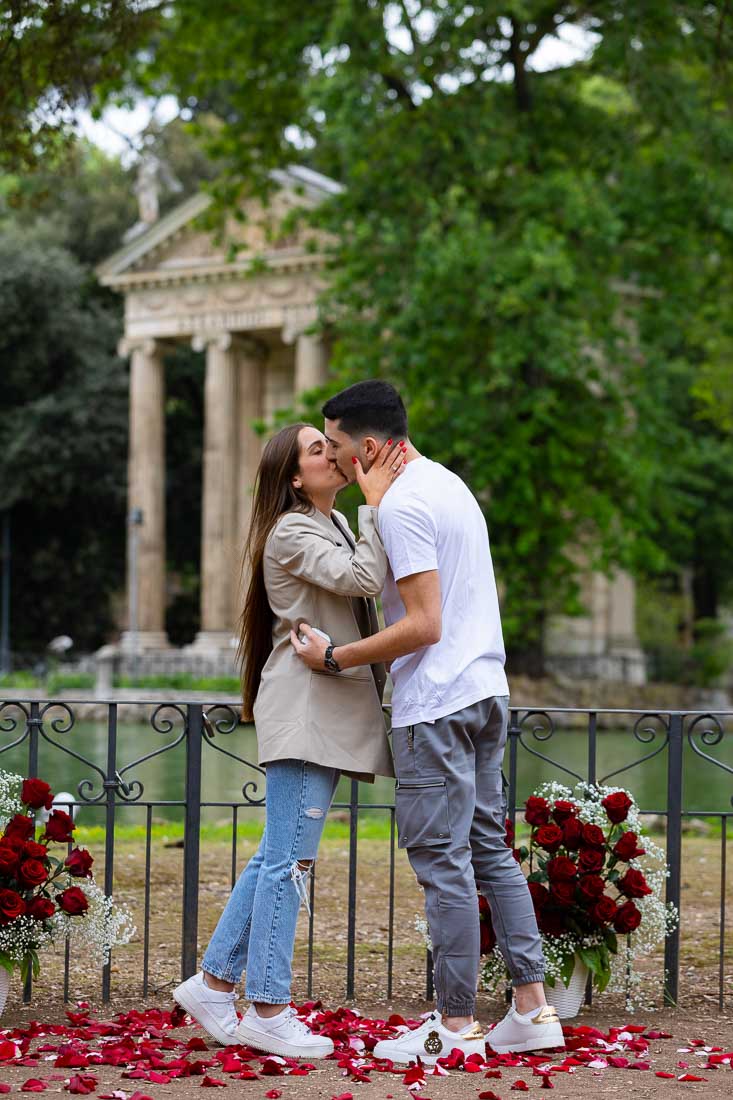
x=421, y=807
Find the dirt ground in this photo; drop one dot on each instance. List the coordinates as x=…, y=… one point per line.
x=327, y=1080
x=697, y=1018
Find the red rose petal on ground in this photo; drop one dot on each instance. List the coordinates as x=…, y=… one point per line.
x=273, y=1094
x=691, y=1077
x=546, y=1083
x=668, y=1076
x=213, y=1083
x=344, y=1096
x=415, y=1073
x=140, y=1096
x=82, y=1085
x=33, y=1084
x=617, y=1062
x=488, y=1096
x=195, y=1043
x=4, y=1087
x=493, y=1073
x=271, y=1068
x=520, y=1086
x=639, y=1065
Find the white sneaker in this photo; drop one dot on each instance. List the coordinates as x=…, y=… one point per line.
x=283, y=1034
x=538, y=1030
x=431, y=1041
x=212, y=1009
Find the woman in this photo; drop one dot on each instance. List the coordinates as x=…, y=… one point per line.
x=311, y=727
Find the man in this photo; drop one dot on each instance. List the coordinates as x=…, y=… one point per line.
x=449, y=726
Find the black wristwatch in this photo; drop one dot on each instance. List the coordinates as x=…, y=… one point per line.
x=329, y=661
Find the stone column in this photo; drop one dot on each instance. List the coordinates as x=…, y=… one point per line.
x=623, y=640
x=219, y=505
x=250, y=407
x=311, y=362
x=146, y=497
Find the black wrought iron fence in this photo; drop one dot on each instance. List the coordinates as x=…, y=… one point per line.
x=677, y=745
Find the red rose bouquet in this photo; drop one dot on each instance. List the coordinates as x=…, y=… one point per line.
x=592, y=878
x=45, y=891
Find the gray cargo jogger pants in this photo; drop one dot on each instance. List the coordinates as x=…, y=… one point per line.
x=451, y=810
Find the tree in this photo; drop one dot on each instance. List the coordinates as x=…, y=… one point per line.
x=529, y=253
x=63, y=385
x=62, y=444
x=54, y=56
x=498, y=247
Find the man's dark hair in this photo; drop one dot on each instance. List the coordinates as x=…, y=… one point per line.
x=372, y=406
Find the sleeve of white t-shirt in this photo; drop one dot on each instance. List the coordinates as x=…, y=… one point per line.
x=410, y=537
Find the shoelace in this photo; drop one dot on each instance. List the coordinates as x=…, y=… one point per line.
x=298, y=1024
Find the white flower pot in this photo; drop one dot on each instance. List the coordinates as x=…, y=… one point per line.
x=4, y=987
x=567, y=1001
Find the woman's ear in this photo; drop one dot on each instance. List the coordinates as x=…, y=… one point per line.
x=297, y=483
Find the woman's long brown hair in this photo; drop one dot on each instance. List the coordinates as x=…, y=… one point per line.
x=274, y=494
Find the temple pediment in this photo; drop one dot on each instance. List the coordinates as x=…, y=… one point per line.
x=176, y=247
x=181, y=279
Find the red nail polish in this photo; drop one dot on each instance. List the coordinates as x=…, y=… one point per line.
x=402, y=443
x=389, y=442
x=353, y=460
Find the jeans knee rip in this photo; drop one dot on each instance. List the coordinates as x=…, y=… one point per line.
x=299, y=876
x=315, y=812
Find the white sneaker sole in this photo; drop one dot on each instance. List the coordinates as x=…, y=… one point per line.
x=202, y=1016
x=262, y=1040
x=552, y=1041
x=404, y=1057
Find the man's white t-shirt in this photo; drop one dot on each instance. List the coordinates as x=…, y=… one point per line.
x=429, y=519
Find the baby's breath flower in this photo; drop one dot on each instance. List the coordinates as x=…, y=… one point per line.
x=103, y=926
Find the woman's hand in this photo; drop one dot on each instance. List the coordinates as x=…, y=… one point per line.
x=387, y=466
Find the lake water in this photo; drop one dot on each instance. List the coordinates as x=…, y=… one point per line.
x=706, y=787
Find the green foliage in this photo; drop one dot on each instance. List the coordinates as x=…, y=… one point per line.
x=52, y=57
x=62, y=442
x=21, y=678
x=65, y=399
x=181, y=681
x=68, y=681
x=538, y=261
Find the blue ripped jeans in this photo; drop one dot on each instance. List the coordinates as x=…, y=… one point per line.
x=256, y=931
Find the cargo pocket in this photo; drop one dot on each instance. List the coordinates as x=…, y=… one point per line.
x=422, y=813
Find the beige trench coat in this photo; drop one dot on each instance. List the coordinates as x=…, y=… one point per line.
x=314, y=573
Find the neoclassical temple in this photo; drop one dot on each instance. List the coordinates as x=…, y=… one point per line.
x=251, y=314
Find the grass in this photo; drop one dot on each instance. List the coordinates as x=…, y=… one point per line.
x=369, y=828
x=371, y=825
x=69, y=681
x=181, y=681
x=55, y=682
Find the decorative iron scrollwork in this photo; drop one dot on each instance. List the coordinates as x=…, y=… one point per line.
x=645, y=735
x=225, y=725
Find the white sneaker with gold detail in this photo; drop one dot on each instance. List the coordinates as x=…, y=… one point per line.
x=538, y=1030
x=431, y=1041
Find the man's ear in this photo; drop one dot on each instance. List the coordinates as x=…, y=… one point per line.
x=371, y=447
